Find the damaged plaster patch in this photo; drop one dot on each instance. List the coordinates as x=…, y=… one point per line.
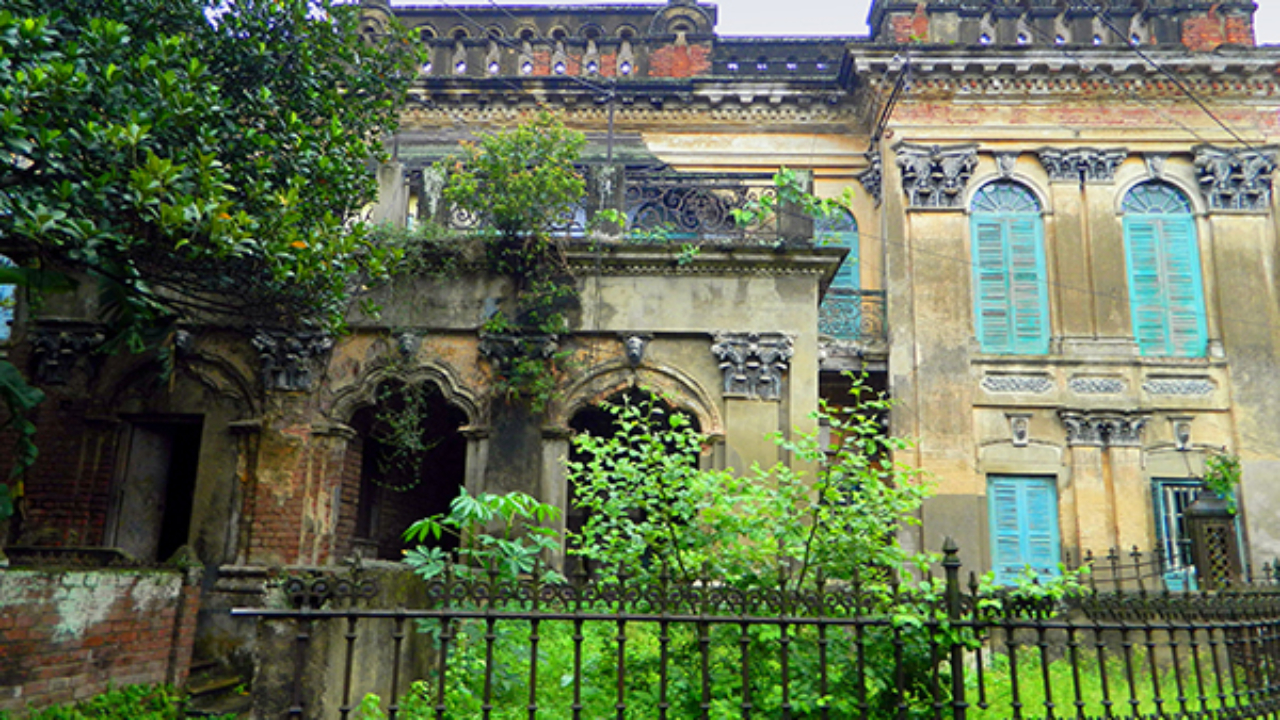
x=85, y=599
x=152, y=594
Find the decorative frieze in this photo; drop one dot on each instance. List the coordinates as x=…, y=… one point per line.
x=1186, y=387
x=936, y=176
x=753, y=364
x=56, y=352
x=289, y=357
x=1096, y=385
x=1026, y=384
x=1236, y=179
x=1089, y=165
x=1103, y=429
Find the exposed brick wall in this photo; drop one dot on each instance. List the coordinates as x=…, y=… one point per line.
x=68, y=491
x=66, y=635
x=346, y=530
x=1208, y=31
x=910, y=28
x=680, y=61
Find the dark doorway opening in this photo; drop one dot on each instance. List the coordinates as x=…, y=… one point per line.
x=600, y=422
x=413, y=464
x=155, y=489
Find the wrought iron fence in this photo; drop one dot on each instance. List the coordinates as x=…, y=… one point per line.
x=929, y=649
x=853, y=315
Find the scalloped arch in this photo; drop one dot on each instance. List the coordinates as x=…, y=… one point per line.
x=684, y=391
x=363, y=392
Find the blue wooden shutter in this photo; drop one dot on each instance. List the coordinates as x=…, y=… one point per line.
x=1006, y=529
x=1029, y=293
x=1188, y=331
x=847, y=276
x=991, y=311
x=1165, y=291
x=1023, y=513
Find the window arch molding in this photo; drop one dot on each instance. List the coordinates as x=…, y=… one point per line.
x=1010, y=269
x=1029, y=183
x=1172, y=175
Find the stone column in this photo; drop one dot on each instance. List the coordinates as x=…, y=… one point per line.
x=1086, y=516
x=1135, y=526
x=554, y=489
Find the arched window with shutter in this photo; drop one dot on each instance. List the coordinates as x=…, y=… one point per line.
x=1166, y=293
x=844, y=313
x=1011, y=290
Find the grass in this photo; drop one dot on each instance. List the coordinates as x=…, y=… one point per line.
x=134, y=702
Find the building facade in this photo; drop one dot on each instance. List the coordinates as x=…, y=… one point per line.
x=1059, y=260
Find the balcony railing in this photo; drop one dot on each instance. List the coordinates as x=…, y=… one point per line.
x=853, y=315
x=659, y=206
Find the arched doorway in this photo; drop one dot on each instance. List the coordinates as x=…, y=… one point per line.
x=598, y=420
x=412, y=464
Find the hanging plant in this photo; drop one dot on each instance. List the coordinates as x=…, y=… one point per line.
x=401, y=431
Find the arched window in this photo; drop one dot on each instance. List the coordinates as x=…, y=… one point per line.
x=8, y=302
x=1011, y=291
x=840, y=230
x=1166, y=295
x=841, y=315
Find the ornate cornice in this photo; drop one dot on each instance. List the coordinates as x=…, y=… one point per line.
x=1103, y=429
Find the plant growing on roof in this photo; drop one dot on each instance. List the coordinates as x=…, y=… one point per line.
x=520, y=183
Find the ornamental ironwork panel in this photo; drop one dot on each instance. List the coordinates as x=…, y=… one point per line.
x=857, y=315
x=697, y=206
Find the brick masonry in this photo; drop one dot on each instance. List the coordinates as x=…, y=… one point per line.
x=66, y=635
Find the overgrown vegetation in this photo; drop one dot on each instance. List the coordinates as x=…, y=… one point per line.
x=192, y=159
x=519, y=183
x=135, y=702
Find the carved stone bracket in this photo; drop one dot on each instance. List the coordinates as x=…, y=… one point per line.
x=289, y=357
x=505, y=349
x=1236, y=179
x=56, y=352
x=753, y=363
x=935, y=176
x=1089, y=165
x=1103, y=429
x=872, y=178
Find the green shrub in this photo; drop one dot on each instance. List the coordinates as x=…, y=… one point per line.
x=134, y=702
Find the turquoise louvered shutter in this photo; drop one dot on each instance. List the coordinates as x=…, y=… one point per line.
x=1006, y=529
x=1029, y=293
x=1188, y=331
x=1011, y=294
x=847, y=275
x=1023, y=514
x=1012, y=297
x=994, y=324
x=1165, y=291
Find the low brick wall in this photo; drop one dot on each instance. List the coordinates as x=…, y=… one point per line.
x=66, y=634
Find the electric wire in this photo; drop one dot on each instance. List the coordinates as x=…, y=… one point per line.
x=1105, y=18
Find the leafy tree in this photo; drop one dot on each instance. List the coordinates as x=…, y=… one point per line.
x=195, y=159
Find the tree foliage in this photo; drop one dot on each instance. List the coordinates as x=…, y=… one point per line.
x=194, y=159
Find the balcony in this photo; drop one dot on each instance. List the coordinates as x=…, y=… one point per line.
x=854, y=316
x=660, y=205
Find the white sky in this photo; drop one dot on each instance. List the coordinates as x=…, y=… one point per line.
x=819, y=17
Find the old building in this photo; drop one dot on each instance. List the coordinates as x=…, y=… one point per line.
x=1060, y=261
